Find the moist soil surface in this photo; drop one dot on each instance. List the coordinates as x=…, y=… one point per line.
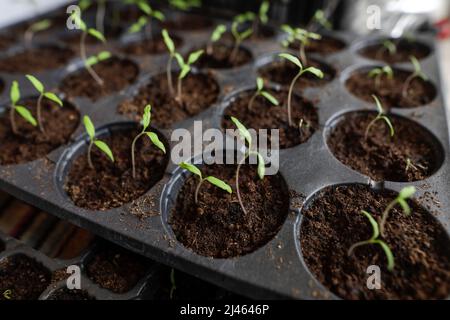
x=36, y=60
x=333, y=222
x=382, y=157
x=264, y=115
x=116, y=269
x=111, y=184
x=405, y=49
x=217, y=226
x=24, y=277
x=65, y=294
x=283, y=72
x=390, y=91
x=200, y=91
x=148, y=46
x=116, y=74
x=188, y=22
x=30, y=143
x=6, y=40
x=219, y=58
x=325, y=46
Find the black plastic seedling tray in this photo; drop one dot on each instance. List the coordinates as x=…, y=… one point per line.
x=277, y=269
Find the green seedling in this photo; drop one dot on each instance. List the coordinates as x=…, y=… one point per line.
x=185, y=68
x=101, y=56
x=377, y=74
x=213, y=180
x=261, y=92
x=246, y=136
x=316, y=72
x=261, y=18
x=21, y=110
x=321, y=19
x=215, y=36
x=387, y=45
x=375, y=240
x=146, y=119
x=418, y=73
x=304, y=38
x=239, y=36
x=185, y=5
x=414, y=166
x=380, y=116
x=102, y=146
x=302, y=124
x=400, y=200
x=39, y=26
x=7, y=294
x=145, y=21
x=100, y=14
x=171, y=47
x=96, y=34
x=42, y=94
x=173, y=285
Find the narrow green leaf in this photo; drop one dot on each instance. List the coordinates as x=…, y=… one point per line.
x=407, y=192
x=146, y=116
x=259, y=83
x=184, y=71
x=261, y=166
x=416, y=64
x=168, y=41
x=78, y=21
x=137, y=26
x=194, y=56
x=145, y=7
x=263, y=10
x=26, y=114
x=247, y=33
x=405, y=206
x=158, y=15
x=179, y=59
x=84, y=4
x=97, y=34
x=317, y=72
x=191, y=168
x=291, y=58
x=378, y=103
x=388, y=252
x=218, y=32
x=373, y=223
x=155, y=140
x=53, y=97
x=270, y=97
x=90, y=129
x=389, y=123
x=242, y=130
x=41, y=25
x=14, y=92
x=105, y=149
x=104, y=55
x=36, y=83
x=374, y=72
x=219, y=183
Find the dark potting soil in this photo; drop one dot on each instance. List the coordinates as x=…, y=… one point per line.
x=405, y=49
x=116, y=269
x=36, y=60
x=220, y=57
x=283, y=72
x=148, y=46
x=217, y=226
x=2, y=86
x=111, y=184
x=188, y=22
x=65, y=294
x=382, y=157
x=23, y=278
x=333, y=222
x=200, y=91
x=264, y=115
x=30, y=143
x=389, y=91
x=116, y=74
x=6, y=40
x=326, y=45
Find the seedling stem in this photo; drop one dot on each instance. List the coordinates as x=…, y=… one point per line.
x=418, y=73
x=380, y=116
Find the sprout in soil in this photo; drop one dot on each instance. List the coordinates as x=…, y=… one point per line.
x=146, y=20
x=403, y=195
x=42, y=94
x=246, y=136
x=213, y=180
x=215, y=36
x=414, y=166
x=14, y=94
x=102, y=146
x=418, y=73
x=185, y=68
x=322, y=20
x=185, y=5
x=261, y=92
x=380, y=116
x=375, y=240
x=7, y=294
x=146, y=118
x=302, y=123
x=171, y=47
x=239, y=36
x=377, y=74
x=173, y=286
x=100, y=14
x=96, y=34
x=387, y=45
x=261, y=18
x=318, y=73
x=34, y=28
x=302, y=36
